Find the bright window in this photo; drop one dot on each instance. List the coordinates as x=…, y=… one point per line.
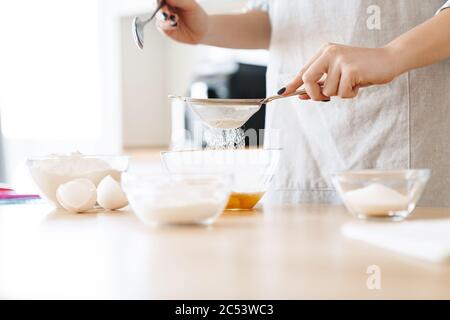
x=49, y=70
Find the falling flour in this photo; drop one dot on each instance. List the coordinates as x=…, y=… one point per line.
x=224, y=139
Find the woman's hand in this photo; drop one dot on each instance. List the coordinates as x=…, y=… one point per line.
x=186, y=21
x=183, y=20
x=338, y=70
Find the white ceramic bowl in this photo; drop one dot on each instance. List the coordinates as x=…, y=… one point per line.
x=381, y=195
x=50, y=172
x=177, y=199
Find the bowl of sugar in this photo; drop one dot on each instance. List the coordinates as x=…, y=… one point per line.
x=390, y=195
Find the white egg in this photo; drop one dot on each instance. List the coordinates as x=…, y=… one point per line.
x=78, y=195
x=110, y=195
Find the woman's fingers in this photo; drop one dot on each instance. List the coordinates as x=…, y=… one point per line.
x=311, y=78
x=163, y=26
x=331, y=84
x=347, y=69
x=297, y=82
x=182, y=4
x=166, y=26
x=304, y=97
x=167, y=19
x=347, y=86
x=173, y=20
x=170, y=14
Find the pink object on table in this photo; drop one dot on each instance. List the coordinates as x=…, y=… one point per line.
x=8, y=195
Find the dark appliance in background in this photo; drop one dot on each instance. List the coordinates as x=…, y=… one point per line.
x=247, y=82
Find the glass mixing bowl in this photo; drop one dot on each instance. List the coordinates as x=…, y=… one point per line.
x=49, y=172
x=252, y=170
x=381, y=195
x=186, y=199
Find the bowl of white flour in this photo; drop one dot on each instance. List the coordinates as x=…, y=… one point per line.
x=381, y=194
x=49, y=172
x=187, y=199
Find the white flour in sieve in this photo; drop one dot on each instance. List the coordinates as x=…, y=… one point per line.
x=220, y=139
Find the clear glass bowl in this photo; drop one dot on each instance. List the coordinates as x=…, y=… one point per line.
x=252, y=170
x=382, y=195
x=50, y=172
x=177, y=199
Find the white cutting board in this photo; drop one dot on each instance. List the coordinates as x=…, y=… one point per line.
x=425, y=239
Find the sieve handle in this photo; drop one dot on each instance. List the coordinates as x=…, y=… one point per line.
x=293, y=94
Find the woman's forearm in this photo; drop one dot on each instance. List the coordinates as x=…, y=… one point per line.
x=249, y=30
x=424, y=45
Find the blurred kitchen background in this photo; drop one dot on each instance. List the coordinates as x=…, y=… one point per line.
x=71, y=78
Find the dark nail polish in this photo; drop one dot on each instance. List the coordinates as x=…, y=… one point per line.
x=326, y=100
x=174, y=24
x=164, y=16
x=281, y=91
x=172, y=18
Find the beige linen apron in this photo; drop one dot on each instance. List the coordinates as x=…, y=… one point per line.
x=405, y=124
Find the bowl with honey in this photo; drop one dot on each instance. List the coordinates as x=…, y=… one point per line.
x=252, y=170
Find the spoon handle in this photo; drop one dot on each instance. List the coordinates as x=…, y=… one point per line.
x=159, y=6
x=296, y=93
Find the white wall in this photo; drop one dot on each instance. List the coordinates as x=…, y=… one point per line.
x=50, y=80
x=145, y=111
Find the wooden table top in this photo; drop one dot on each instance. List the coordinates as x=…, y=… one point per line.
x=279, y=252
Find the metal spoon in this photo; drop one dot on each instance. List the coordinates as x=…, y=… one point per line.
x=139, y=25
x=229, y=113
